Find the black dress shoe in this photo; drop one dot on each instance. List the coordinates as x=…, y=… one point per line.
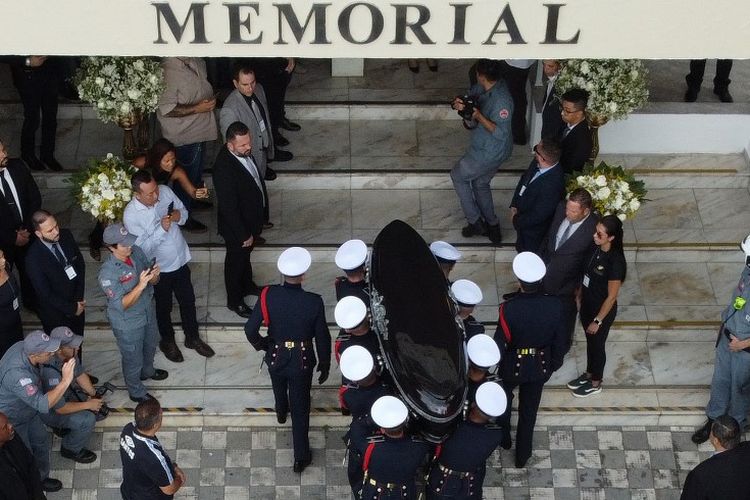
x=243, y=310
x=299, y=465
x=282, y=155
x=267, y=225
x=158, y=375
x=280, y=141
x=476, y=229
x=258, y=241
x=94, y=380
x=142, y=398
x=33, y=162
x=200, y=347
x=691, y=95
x=171, y=351
x=493, y=233
x=724, y=95
x=270, y=174
x=701, y=435
x=84, y=456
x=194, y=226
x=52, y=164
x=51, y=485
x=289, y=125
x=281, y=417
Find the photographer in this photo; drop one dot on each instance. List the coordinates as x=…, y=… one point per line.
x=76, y=411
x=486, y=111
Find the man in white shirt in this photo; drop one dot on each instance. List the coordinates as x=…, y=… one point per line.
x=154, y=216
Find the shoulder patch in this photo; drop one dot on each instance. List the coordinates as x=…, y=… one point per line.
x=24, y=382
x=106, y=283
x=109, y=293
x=504, y=113
x=30, y=390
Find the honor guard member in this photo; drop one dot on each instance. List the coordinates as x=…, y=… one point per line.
x=127, y=278
x=23, y=401
x=730, y=386
x=391, y=457
x=459, y=466
x=531, y=333
x=351, y=316
x=76, y=417
x=484, y=355
x=294, y=317
x=468, y=295
x=350, y=258
x=446, y=255
x=361, y=386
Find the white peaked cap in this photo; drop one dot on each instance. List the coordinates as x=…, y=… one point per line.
x=350, y=312
x=444, y=250
x=491, y=399
x=351, y=255
x=467, y=292
x=356, y=363
x=294, y=261
x=483, y=351
x=529, y=267
x=389, y=412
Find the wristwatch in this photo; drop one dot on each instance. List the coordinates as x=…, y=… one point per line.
x=598, y=321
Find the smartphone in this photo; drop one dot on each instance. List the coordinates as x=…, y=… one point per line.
x=153, y=264
x=170, y=208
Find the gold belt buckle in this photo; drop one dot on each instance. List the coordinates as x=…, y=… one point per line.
x=289, y=344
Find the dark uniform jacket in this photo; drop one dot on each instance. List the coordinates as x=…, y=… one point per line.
x=576, y=147
x=536, y=202
x=358, y=400
x=30, y=200
x=294, y=315
x=345, y=288
x=724, y=476
x=472, y=327
x=58, y=295
x=345, y=340
x=240, y=201
x=20, y=477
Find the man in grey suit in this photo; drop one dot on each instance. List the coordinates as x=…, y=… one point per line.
x=248, y=104
x=569, y=242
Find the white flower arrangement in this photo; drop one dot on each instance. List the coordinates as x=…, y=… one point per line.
x=614, y=191
x=103, y=189
x=119, y=87
x=616, y=87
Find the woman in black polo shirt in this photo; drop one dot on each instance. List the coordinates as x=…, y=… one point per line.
x=603, y=276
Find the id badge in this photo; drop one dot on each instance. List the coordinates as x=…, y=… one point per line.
x=523, y=189
x=586, y=280
x=70, y=272
x=15, y=304
x=262, y=124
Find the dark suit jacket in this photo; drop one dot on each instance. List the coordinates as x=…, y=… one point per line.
x=552, y=122
x=536, y=206
x=57, y=295
x=240, y=202
x=30, y=200
x=576, y=147
x=565, y=265
x=722, y=477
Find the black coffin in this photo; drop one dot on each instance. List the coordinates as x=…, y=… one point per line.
x=420, y=336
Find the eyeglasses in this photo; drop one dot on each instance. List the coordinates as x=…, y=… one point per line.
x=569, y=111
x=536, y=151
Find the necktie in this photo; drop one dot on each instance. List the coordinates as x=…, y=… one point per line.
x=58, y=253
x=261, y=116
x=566, y=131
x=10, y=200
x=565, y=235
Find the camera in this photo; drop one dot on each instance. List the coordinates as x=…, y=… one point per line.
x=470, y=103
x=100, y=392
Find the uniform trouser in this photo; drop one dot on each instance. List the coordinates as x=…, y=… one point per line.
x=698, y=68
x=80, y=423
x=529, y=396
x=39, y=97
x=178, y=283
x=730, y=386
x=35, y=437
x=355, y=473
x=442, y=486
x=471, y=180
x=137, y=349
x=291, y=390
x=190, y=157
x=238, y=273
x=596, y=354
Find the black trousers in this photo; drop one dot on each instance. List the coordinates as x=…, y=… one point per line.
x=38, y=90
x=178, y=283
x=529, y=397
x=28, y=295
x=291, y=391
x=238, y=273
x=515, y=79
x=698, y=68
x=596, y=354
x=270, y=73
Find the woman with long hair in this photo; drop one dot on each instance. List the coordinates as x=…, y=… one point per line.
x=161, y=160
x=603, y=277
x=10, y=308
